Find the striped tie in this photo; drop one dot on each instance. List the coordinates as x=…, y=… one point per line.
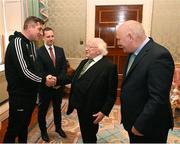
x=85, y=67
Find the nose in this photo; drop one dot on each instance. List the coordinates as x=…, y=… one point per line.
x=51, y=37
x=86, y=48
x=41, y=33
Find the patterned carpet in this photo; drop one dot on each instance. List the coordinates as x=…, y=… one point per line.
x=110, y=130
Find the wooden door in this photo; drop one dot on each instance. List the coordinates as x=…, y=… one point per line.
x=107, y=18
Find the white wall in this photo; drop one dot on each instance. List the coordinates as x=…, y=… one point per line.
x=1, y=17
x=13, y=17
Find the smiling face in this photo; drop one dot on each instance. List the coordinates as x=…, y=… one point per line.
x=92, y=49
x=48, y=37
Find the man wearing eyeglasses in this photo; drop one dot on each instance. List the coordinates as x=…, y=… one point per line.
x=93, y=89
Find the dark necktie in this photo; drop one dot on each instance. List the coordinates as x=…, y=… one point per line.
x=131, y=60
x=52, y=56
x=85, y=67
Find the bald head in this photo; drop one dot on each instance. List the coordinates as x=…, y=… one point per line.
x=130, y=35
x=134, y=27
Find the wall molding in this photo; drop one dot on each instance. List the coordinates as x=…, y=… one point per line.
x=91, y=4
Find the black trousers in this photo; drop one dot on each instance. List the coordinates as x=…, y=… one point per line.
x=20, y=111
x=88, y=129
x=148, y=139
x=44, y=101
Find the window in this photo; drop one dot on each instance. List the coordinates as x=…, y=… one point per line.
x=11, y=19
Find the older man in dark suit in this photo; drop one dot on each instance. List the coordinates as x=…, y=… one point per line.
x=93, y=91
x=52, y=61
x=145, y=106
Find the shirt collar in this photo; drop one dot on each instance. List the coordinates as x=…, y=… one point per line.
x=141, y=46
x=47, y=47
x=97, y=58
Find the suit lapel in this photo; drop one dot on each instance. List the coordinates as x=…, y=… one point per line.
x=56, y=55
x=125, y=68
x=78, y=70
x=96, y=68
x=138, y=58
x=47, y=56
x=93, y=72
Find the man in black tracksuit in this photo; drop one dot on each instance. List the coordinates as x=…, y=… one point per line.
x=21, y=74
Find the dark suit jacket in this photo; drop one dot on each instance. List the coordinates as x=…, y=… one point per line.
x=46, y=66
x=145, y=91
x=96, y=89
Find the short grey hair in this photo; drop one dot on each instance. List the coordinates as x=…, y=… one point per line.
x=99, y=43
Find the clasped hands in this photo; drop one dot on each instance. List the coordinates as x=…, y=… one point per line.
x=50, y=81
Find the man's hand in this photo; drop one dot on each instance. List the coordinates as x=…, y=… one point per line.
x=50, y=81
x=99, y=116
x=136, y=132
x=55, y=79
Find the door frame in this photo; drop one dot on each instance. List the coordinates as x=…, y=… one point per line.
x=91, y=4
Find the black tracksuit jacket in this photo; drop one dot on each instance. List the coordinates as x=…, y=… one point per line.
x=21, y=68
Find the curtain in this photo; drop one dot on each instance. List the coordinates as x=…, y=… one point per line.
x=38, y=8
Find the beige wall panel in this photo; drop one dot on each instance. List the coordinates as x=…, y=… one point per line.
x=68, y=19
x=166, y=25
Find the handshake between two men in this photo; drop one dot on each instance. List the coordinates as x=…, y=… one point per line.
x=51, y=81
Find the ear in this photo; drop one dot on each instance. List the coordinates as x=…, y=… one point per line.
x=130, y=35
x=98, y=52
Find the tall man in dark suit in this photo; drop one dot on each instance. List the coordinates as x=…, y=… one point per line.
x=52, y=61
x=93, y=89
x=145, y=106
